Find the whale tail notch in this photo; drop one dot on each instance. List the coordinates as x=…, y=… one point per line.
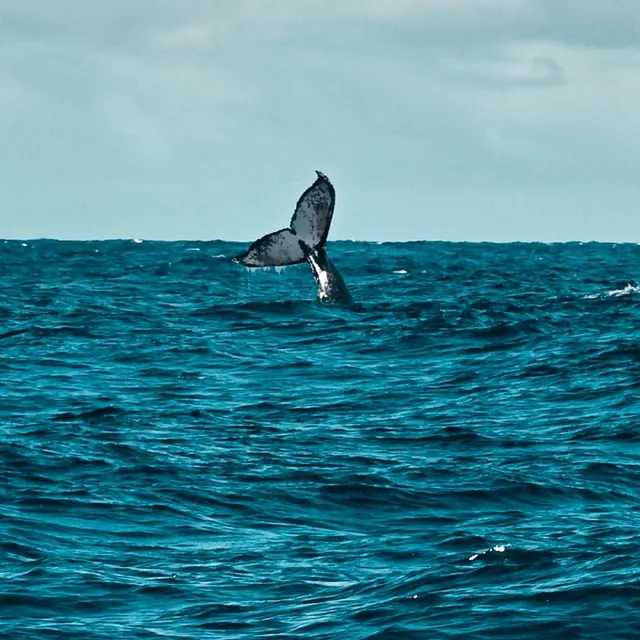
x=309, y=227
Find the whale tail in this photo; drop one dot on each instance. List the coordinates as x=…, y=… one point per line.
x=309, y=227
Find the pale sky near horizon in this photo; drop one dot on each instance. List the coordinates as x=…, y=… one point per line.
x=472, y=120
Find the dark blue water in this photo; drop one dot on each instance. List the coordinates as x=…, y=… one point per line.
x=190, y=450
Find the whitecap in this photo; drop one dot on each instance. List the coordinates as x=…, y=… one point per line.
x=499, y=548
x=333, y=583
x=629, y=289
x=400, y=272
x=615, y=293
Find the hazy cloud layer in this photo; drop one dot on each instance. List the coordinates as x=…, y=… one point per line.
x=151, y=118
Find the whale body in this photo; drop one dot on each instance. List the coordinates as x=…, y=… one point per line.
x=331, y=286
x=304, y=240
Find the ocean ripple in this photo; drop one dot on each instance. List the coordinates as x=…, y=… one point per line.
x=192, y=450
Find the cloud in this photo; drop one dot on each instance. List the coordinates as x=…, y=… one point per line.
x=142, y=80
x=469, y=23
x=393, y=93
x=450, y=23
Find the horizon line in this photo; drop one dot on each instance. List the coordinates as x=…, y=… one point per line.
x=430, y=240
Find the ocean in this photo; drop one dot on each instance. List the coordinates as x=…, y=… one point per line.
x=192, y=450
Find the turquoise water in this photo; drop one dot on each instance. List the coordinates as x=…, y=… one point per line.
x=190, y=450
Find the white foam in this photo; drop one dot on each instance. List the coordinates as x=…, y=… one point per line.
x=400, y=271
x=137, y=240
x=615, y=293
x=499, y=548
x=332, y=583
x=629, y=289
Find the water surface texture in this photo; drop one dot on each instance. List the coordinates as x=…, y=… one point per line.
x=190, y=450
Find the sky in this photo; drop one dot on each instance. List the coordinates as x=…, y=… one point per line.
x=498, y=120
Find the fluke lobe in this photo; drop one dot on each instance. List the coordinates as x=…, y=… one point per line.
x=304, y=240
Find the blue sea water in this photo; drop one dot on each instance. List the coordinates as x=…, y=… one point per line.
x=192, y=450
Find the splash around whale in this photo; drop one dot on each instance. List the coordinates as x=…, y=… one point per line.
x=304, y=240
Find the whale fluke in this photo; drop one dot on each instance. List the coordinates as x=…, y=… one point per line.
x=310, y=223
x=276, y=249
x=304, y=240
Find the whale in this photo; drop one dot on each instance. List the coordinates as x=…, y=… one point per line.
x=331, y=285
x=304, y=240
